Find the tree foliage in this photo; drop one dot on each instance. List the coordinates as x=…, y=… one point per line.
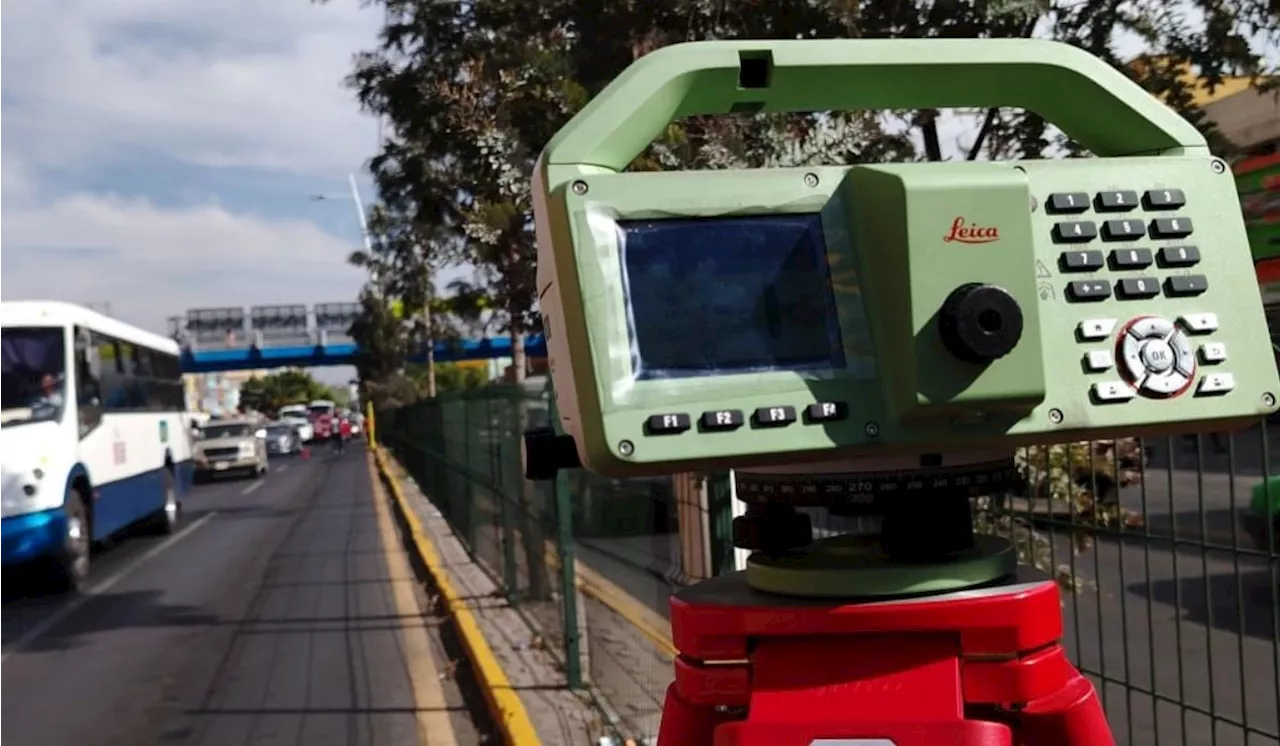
x=379, y=334
x=449, y=377
x=269, y=393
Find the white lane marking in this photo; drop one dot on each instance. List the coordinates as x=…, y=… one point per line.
x=251, y=488
x=65, y=611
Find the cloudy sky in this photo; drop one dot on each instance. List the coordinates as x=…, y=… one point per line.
x=158, y=155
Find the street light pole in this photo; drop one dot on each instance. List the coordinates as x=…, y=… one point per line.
x=364, y=222
x=365, y=235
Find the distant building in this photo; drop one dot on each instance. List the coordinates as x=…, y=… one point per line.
x=1248, y=118
x=216, y=393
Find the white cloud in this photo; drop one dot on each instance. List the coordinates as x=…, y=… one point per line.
x=217, y=82
x=202, y=82
x=150, y=264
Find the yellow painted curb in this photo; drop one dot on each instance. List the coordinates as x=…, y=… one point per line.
x=505, y=707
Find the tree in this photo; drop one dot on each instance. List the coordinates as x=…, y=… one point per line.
x=406, y=259
x=448, y=377
x=383, y=346
x=269, y=393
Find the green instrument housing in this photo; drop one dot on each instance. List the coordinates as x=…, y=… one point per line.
x=1012, y=251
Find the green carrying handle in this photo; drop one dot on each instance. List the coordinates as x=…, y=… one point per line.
x=1091, y=102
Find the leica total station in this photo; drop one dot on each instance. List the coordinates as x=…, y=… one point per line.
x=879, y=339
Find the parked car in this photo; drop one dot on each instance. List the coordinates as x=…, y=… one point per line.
x=283, y=439
x=231, y=446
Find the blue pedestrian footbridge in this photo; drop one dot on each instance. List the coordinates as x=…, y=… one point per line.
x=327, y=355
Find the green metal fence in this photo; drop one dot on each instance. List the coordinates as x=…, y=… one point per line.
x=1172, y=581
x=464, y=453
x=1170, y=603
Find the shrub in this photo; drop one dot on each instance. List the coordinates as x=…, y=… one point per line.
x=1083, y=479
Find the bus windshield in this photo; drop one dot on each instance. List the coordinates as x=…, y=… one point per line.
x=320, y=410
x=33, y=379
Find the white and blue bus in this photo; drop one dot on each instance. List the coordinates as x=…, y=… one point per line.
x=93, y=435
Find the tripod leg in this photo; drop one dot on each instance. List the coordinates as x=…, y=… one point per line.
x=1072, y=716
x=684, y=723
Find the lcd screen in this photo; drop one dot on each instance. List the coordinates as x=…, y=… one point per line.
x=729, y=295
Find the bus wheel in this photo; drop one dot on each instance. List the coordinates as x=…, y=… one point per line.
x=166, y=521
x=72, y=563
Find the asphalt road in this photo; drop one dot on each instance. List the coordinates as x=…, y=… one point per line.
x=279, y=614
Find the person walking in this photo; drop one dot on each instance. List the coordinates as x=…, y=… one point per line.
x=342, y=432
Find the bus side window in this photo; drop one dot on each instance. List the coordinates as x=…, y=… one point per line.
x=134, y=377
x=164, y=388
x=140, y=373
x=88, y=385
x=115, y=384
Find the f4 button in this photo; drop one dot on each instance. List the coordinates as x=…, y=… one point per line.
x=825, y=411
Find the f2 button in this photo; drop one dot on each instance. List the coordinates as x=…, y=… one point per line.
x=722, y=419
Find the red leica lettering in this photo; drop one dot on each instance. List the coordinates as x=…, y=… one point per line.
x=970, y=233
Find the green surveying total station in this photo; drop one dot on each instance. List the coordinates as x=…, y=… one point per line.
x=845, y=336
x=877, y=341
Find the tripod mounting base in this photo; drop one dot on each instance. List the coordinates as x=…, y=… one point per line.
x=977, y=667
x=851, y=566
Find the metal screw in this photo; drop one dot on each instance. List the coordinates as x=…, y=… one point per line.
x=1056, y=416
x=1268, y=399
x=1218, y=166
x=626, y=448
x=811, y=180
x=871, y=429
x=579, y=188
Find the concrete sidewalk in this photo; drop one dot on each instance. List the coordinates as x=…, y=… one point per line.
x=530, y=699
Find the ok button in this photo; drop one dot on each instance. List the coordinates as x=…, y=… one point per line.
x=1157, y=356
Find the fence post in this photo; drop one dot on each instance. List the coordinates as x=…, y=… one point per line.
x=466, y=512
x=508, y=510
x=566, y=557
x=720, y=521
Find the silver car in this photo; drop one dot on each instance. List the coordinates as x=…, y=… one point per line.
x=231, y=447
x=283, y=439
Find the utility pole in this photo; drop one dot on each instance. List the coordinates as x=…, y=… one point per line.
x=431, y=345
